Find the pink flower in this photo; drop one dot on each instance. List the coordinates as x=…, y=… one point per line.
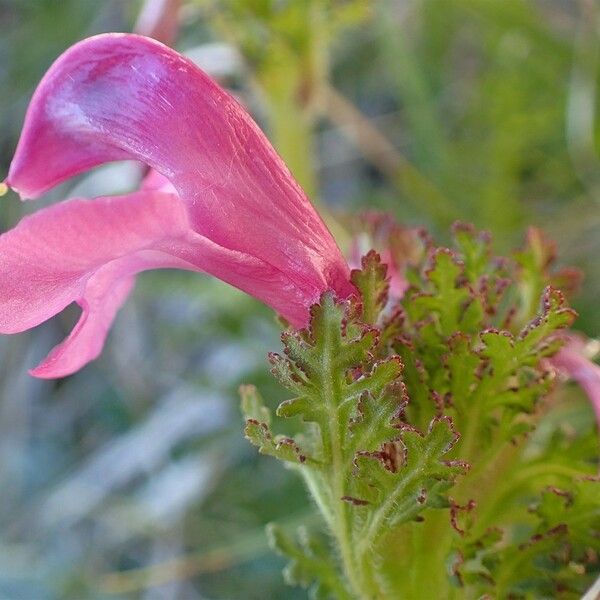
x=225, y=203
x=571, y=360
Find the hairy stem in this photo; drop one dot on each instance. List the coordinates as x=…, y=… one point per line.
x=341, y=524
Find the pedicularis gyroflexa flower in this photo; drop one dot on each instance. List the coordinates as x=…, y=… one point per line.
x=419, y=383
x=219, y=200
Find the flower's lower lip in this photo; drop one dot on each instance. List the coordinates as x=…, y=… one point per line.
x=3, y=188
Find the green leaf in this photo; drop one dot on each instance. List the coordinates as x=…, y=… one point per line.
x=383, y=374
x=533, y=260
x=443, y=297
x=461, y=364
x=377, y=421
x=555, y=556
x=311, y=564
x=281, y=447
x=513, y=377
x=499, y=349
x=330, y=366
x=396, y=483
x=258, y=431
x=553, y=317
x=414, y=373
x=373, y=285
x=253, y=406
x=472, y=565
x=474, y=248
x=366, y=381
x=444, y=270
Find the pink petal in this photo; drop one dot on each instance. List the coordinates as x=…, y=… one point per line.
x=82, y=251
x=99, y=306
x=117, y=96
x=398, y=282
x=88, y=251
x=572, y=361
x=48, y=258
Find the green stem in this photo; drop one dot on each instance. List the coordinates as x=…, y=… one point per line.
x=341, y=518
x=342, y=525
x=429, y=579
x=318, y=490
x=470, y=441
x=375, y=527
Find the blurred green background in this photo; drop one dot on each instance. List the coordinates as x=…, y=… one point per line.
x=132, y=479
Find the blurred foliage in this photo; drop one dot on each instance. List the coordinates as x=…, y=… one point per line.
x=462, y=109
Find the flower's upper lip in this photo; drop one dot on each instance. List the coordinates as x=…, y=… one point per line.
x=124, y=96
x=224, y=203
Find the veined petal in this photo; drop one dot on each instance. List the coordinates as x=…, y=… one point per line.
x=117, y=96
x=89, y=251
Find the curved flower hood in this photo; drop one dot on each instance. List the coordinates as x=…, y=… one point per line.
x=220, y=201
